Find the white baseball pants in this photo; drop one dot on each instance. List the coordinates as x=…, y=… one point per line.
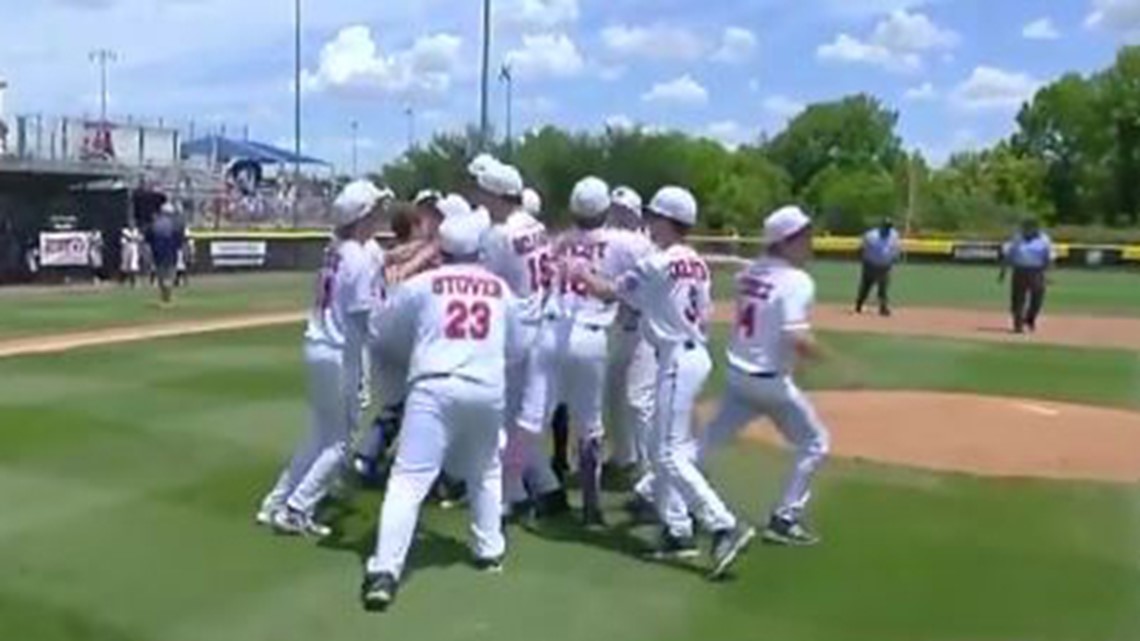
x=679, y=486
x=747, y=398
x=525, y=463
x=452, y=425
x=571, y=368
x=631, y=384
x=317, y=460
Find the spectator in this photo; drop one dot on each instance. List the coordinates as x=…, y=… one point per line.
x=130, y=243
x=165, y=237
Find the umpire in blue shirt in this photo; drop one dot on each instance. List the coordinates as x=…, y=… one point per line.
x=166, y=235
x=1030, y=255
x=880, y=251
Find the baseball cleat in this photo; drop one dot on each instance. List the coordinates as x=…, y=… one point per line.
x=781, y=531
x=378, y=591
x=290, y=522
x=727, y=546
x=493, y=565
x=675, y=547
x=265, y=516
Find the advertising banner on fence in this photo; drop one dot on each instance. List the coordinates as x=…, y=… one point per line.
x=65, y=248
x=238, y=253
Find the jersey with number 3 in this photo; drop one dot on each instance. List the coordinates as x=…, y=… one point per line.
x=460, y=321
x=345, y=286
x=609, y=253
x=672, y=290
x=519, y=252
x=773, y=300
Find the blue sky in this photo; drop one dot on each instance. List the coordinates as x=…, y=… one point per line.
x=727, y=69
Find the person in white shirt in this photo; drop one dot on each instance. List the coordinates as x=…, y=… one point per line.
x=632, y=366
x=460, y=320
x=130, y=253
x=517, y=249
x=774, y=296
x=334, y=341
x=572, y=348
x=672, y=290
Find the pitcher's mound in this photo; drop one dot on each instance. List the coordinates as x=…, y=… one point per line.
x=990, y=436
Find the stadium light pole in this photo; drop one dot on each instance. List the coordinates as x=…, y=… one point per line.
x=296, y=110
x=355, y=134
x=485, y=117
x=410, y=113
x=506, y=76
x=103, y=57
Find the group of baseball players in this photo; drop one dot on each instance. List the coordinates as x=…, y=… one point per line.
x=481, y=322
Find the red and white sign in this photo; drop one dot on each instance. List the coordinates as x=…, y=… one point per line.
x=65, y=248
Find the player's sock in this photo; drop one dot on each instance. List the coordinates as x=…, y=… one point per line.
x=590, y=452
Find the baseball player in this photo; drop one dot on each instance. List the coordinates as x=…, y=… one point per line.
x=632, y=366
x=573, y=341
x=774, y=296
x=335, y=338
x=459, y=318
x=130, y=253
x=672, y=290
x=518, y=250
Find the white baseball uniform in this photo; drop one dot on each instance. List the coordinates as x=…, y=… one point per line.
x=672, y=289
x=334, y=342
x=519, y=251
x=773, y=300
x=370, y=378
x=630, y=383
x=573, y=342
x=461, y=322
x=130, y=251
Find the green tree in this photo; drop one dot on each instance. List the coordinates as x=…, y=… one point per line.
x=847, y=200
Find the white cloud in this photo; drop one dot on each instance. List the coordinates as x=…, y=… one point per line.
x=620, y=122
x=737, y=46
x=922, y=93
x=729, y=133
x=897, y=43
x=1121, y=16
x=352, y=62
x=681, y=91
x=658, y=42
x=865, y=8
x=990, y=88
x=1040, y=29
x=546, y=56
x=538, y=14
x=783, y=107
x=611, y=73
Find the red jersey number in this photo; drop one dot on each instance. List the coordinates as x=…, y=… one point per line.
x=541, y=267
x=468, y=320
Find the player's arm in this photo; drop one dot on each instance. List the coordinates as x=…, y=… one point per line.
x=422, y=260
x=597, y=286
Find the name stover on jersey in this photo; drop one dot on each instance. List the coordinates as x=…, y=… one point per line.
x=609, y=253
x=460, y=321
x=673, y=291
x=773, y=299
x=519, y=252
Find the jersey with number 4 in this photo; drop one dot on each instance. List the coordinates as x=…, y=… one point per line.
x=609, y=253
x=773, y=299
x=460, y=321
x=673, y=291
x=345, y=287
x=519, y=252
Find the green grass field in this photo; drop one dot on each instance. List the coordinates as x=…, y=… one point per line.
x=129, y=476
x=28, y=313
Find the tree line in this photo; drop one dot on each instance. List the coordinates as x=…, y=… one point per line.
x=1073, y=160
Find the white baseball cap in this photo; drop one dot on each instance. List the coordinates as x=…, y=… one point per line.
x=480, y=164
x=532, y=202
x=627, y=199
x=675, y=203
x=461, y=235
x=500, y=180
x=168, y=208
x=357, y=200
x=590, y=198
x=452, y=206
x=425, y=196
x=784, y=223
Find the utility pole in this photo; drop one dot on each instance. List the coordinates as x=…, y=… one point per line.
x=485, y=118
x=410, y=113
x=296, y=110
x=355, y=132
x=507, y=78
x=103, y=57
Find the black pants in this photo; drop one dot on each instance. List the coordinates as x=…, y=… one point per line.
x=874, y=276
x=1026, y=297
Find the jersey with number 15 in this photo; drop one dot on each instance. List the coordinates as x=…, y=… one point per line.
x=773, y=300
x=460, y=320
x=345, y=287
x=519, y=252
